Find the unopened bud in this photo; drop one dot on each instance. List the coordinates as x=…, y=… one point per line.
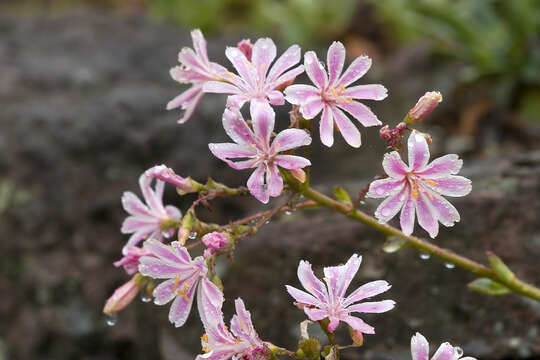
x=185, y=229
x=246, y=47
x=183, y=185
x=425, y=105
x=121, y=297
x=215, y=240
x=356, y=336
x=299, y=175
x=393, y=136
x=130, y=261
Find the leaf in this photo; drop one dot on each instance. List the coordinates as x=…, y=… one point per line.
x=489, y=287
x=394, y=244
x=500, y=268
x=342, y=195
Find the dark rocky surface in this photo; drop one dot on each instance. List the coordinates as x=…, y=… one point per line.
x=83, y=98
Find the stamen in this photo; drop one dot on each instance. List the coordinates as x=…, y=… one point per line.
x=431, y=182
x=415, y=194
x=184, y=293
x=204, y=337
x=206, y=349
x=342, y=88
x=176, y=281
x=430, y=196
x=334, y=92
x=350, y=99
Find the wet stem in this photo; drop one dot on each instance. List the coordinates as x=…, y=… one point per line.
x=448, y=256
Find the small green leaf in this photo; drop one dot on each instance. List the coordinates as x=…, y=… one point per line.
x=342, y=195
x=393, y=244
x=500, y=268
x=489, y=287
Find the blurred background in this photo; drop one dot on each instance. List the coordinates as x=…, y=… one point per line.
x=83, y=88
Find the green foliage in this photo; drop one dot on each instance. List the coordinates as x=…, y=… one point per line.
x=488, y=287
x=494, y=38
x=295, y=21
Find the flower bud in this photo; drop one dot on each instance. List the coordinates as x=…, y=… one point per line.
x=423, y=107
x=215, y=240
x=121, y=297
x=246, y=47
x=299, y=175
x=130, y=261
x=183, y=185
x=185, y=228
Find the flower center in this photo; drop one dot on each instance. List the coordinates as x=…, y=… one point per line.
x=336, y=95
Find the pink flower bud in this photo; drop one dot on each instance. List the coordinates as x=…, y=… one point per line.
x=215, y=240
x=207, y=253
x=130, y=261
x=246, y=47
x=121, y=297
x=162, y=172
x=423, y=107
x=393, y=136
x=299, y=175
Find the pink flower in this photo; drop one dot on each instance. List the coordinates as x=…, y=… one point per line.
x=420, y=350
x=130, y=260
x=196, y=69
x=122, y=297
x=257, y=82
x=255, y=146
x=215, y=240
x=146, y=221
x=183, y=275
x=331, y=95
x=418, y=188
x=163, y=173
x=329, y=301
x=219, y=344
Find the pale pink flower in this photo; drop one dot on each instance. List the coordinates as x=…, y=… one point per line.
x=164, y=173
x=257, y=82
x=145, y=221
x=122, y=297
x=215, y=240
x=183, y=275
x=419, y=187
x=197, y=69
x=320, y=301
x=420, y=350
x=331, y=95
x=220, y=344
x=130, y=260
x=255, y=148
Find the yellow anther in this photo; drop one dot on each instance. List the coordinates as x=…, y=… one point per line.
x=431, y=182
x=205, y=349
x=184, y=292
x=204, y=338
x=176, y=281
x=430, y=196
x=342, y=88
x=350, y=100
x=342, y=100
x=326, y=279
x=415, y=194
x=230, y=74
x=334, y=92
x=248, y=62
x=237, y=341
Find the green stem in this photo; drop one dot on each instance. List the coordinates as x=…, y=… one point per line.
x=448, y=256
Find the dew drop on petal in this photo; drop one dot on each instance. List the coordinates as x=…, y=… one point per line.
x=459, y=352
x=385, y=212
x=424, y=256
x=449, y=265
x=192, y=235
x=111, y=319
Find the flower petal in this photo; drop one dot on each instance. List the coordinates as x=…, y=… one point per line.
x=444, y=352
x=220, y=87
x=302, y=296
x=185, y=97
x=286, y=78
x=311, y=107
x=290, y=57
x=359, y=325
x=228, y=151
x=315, y=314
x=134, y=206
x=442, y=166
x=326, y=127
x=373, y=307
x=274, y=181
x=263, y=118
x=418, y=151
x=241, y=64
x=236, y=127
x=427, y=216
x=199, y=44
x=366, y=291
x=341, y=279
x=394, y=166
x=181, y=306
x=256, y=185
x=291, y=162
x=264, y=52
x=164, y=292
x=315, y=70
x=355, y=71
x=446, y=212
x=419, y=347
x=132, y=224
x=452, y=185
x=241, y=324
x=384, y=187
x=299, y=93
x=209, y=303
x=136, y=237
x=310, y=282
x=367, y=92
x=335, y=59
x=159, y=269
x=289, y=139
x=360, y=112
x=346, y=127
x=164, y=252
x=408, y=211
x=391, y=206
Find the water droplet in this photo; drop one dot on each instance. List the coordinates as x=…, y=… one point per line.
x=362, y=202
x=288, y=212
x=449, y=265
x=145, y=298
x=267, y=222
x=166, y=234
x=424, y=256
x=111, y=319
x=459, y=351
x=385, y=212
x=193, y=235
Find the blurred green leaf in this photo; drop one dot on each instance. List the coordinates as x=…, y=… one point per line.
x=489, y=287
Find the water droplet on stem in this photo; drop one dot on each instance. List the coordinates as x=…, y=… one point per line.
x=424, y=256
x=449, y=265
x=111, y=319
x=193, y=235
